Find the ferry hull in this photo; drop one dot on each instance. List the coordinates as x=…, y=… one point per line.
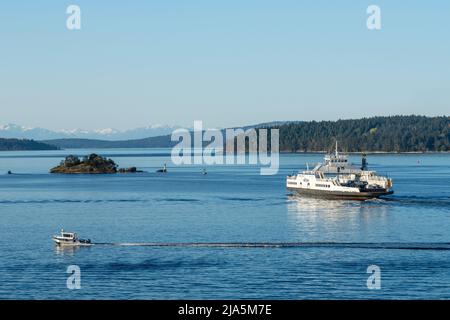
x=341, y=194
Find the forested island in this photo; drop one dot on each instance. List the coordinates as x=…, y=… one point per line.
x=24, y=144
x=90, y=164
x=377, y=134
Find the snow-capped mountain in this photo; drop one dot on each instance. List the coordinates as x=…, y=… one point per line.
x=17, y=131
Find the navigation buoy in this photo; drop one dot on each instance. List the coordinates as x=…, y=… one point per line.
x=163, y=170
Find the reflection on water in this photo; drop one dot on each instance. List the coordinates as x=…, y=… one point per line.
x=304, y=203
x=68, y=250
x=322, y=218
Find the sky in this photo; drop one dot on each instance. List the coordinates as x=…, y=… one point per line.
x=227, y=63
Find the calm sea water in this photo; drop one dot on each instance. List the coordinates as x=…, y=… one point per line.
x=229, y=204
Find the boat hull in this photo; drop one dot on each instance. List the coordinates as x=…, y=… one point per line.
x=328, y=194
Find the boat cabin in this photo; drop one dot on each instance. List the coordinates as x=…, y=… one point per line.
x=67, y=235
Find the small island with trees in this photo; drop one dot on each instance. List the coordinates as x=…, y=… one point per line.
x=91, y=164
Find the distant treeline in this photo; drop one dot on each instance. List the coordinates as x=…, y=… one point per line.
x=387, y=134
x=23, y=144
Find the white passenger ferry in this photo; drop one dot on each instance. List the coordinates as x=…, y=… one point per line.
x=337, y=178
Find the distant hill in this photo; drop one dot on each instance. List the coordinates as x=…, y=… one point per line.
x=152, y=142
x=386, y=134
x=163, y=141
x=23, y=144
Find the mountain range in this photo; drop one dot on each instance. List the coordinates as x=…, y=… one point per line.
x=108, y=134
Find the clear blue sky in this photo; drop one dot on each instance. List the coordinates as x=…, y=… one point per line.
x=232, y=62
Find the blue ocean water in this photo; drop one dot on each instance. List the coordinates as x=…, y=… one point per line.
x=229, y=204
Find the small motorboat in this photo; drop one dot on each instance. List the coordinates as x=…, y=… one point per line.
x=70, y=239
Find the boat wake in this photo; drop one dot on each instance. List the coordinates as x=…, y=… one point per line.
x=49, y=201
x=418, y=200
x=334, y=245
